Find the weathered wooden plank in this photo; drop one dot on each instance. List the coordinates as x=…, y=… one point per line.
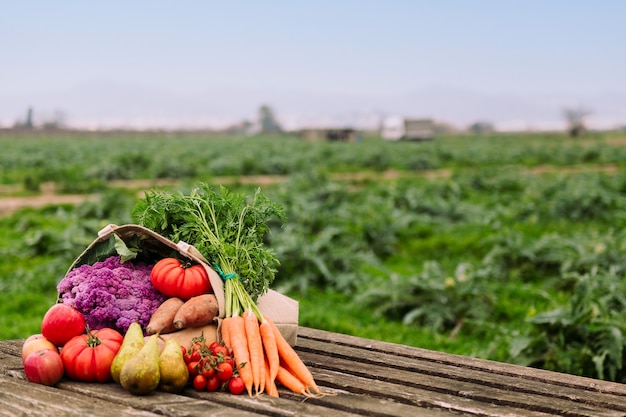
x=385, y=403
x=338, y=403
x=409, y=381
x=11, y=347
x=492, y=367
x=424, y=397
x=342, y=405
x=158, y=402
x=367, y=377
x=285, y=405
x=453, y=373
x=20, y=398
x=9, y=362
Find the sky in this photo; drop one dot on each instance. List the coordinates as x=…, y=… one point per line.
x=194, y=63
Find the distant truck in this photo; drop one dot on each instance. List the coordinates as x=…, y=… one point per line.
x=398, y=128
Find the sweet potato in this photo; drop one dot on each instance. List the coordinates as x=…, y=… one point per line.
x=162, y=320
x=197, y=311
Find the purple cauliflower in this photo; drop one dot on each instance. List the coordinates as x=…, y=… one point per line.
x=111, y=294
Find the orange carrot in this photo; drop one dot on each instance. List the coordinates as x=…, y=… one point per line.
x=263, y=381
x=291, y=382
x=291, y=360
x=239, y=345
x=271, y=351
x=225, y=331
x=270, y=384
x=255, y=348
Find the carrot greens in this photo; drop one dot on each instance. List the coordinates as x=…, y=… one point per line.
x=228, y=229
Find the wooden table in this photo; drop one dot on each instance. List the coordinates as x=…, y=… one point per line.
x=366, y=377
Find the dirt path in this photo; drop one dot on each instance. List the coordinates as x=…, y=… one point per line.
x=49, y=196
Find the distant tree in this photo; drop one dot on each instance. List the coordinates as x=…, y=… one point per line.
x=29, y=119
x=267, y=121
x=576, y=121
x=28, y=122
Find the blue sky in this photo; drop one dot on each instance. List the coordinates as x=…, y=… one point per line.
x=335, y=49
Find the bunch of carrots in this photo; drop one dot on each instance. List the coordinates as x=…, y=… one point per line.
x=257, y=343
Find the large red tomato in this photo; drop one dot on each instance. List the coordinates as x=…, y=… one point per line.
x=173, y=279
x=88, y=357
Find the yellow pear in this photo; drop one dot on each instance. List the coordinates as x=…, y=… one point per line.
x=131, y=345
x=174, y=372
x=140, y=374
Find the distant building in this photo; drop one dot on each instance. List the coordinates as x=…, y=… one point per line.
x=331, y=135
x=398, y=128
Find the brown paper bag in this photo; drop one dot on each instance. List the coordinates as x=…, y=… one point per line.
x=281, y=309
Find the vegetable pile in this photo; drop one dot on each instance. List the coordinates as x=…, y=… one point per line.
x=229, y=231
x=122, y=293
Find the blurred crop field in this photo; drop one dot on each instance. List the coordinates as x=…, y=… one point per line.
x=510, y=247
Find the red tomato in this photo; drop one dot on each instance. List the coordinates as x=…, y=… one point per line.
x=199, y=382
x=206, y=367
x=173, y=279
x=224, y=371
x=195, y=355
x=88, y=357
x=208, y=371
x=230, y=360
x=236, y=385
x=220, y=349
x=213, y=383
x=192, y=367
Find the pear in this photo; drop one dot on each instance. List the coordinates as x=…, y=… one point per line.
x=174, y=372
x=140, y=374
x=131, y=345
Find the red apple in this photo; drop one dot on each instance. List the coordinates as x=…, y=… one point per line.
x=44, y=367
x=62, y=322
x=34, y=343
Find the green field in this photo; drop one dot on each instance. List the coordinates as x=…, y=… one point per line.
x=507, y=247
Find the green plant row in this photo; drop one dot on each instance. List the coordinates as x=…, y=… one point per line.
x=76, y=163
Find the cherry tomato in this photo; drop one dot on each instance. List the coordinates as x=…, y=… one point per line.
x=208, y=371
x=236, y=385
x=193, y=368
x=195, y=355
x=230, y=360
x=213, y=384
x=220, y=349
x=199, y=382
x=224, y=371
